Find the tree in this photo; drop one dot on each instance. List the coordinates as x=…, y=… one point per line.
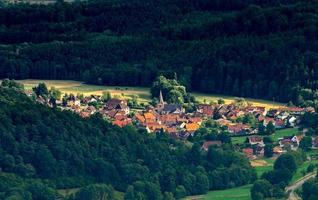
x=40, y=191
x=285, y=162
x=202, y=183
x=55, y=93
x=221, y=101
x=168, y=196
x=106, y=96
x=180, y=192
x=306, y=143
x=261, y=189
x=130, y=193
x=172, y=91
x=268, y=150
x=270, y=128
x=41, y=90
x=12, y=84
x=95, y=192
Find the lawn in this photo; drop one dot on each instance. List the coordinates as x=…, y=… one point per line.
x=284, y=132
x=238, y=140
x=238, y=193
x=143, y=93
x=261, y=169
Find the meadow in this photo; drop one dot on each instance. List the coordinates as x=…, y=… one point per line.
x=238, y=193
x=143, y=93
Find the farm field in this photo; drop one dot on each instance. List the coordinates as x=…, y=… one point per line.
x=143, y=93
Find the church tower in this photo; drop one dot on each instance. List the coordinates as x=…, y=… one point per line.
x=161, y=103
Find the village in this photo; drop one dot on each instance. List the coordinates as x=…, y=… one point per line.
x=174, y=120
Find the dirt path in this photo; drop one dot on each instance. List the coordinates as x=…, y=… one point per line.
x=292, y=188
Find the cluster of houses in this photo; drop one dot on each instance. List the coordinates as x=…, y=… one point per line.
x=173, y=119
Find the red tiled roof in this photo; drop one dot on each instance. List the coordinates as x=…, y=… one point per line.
x=207, y=144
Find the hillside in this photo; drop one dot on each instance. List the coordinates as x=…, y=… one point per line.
x=255, y=48
x=44, y=150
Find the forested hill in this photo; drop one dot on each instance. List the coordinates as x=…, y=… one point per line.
x=252, y=48
x=42, y=147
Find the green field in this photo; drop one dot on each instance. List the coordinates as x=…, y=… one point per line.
x=239, y=193
x=284, y=132
x=143, y=93
x=278, y=134
x=300, y=171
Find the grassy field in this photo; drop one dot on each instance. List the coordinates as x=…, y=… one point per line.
x=284, y=132
x=143, y=93
x=300, y=171
x=76, y=87
x=278, y=134
x=238, y=193
x=229, y=99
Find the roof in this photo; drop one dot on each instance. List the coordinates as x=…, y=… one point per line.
x=279, y=122
x=255, y=139
x=121, y=123
x=207, y=144
x=248, y=151
x=149, y=116
x=172, y=107
x=192, y=126
x=116, y=104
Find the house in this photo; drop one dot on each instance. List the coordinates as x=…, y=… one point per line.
x=122, y=123
x=205, y=109
x=149, y=117
x=280, y=124
x=196, y=120
x=289, y=141
x=291, y=121
x=256, y=140
x=283, y=115
x=117, y=104
x=172, y=108
x=296, y=110
x=249, y=153
x=207, y=144
x=238, y=129
x=259, y=150
x=154, y=127
x=278, y=150
x=192, y=127
x=272, y=113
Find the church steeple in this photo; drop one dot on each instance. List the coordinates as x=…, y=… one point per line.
x=161, y=98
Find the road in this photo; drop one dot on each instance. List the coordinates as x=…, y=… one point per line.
x=292, y=188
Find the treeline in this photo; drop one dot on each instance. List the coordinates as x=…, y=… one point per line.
x=56, y=150
x=256, y=48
